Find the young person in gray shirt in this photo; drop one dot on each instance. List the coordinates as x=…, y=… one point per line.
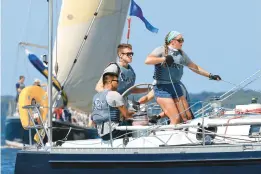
x=107, y=106
x=169, y=61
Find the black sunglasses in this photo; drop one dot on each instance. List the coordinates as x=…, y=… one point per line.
x=180, y=40
x=115, y=81
x=129, y=54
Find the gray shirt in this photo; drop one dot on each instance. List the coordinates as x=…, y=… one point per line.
x=163, y=74
x=114, y=99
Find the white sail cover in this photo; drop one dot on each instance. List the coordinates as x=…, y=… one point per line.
x=99, y=49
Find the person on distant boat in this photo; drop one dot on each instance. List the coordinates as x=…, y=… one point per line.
x=107, y=106
x=37, y=82
x=169, y=61
x=125, y=72
x=58, y=112
x=62, y=114
x=19, y=86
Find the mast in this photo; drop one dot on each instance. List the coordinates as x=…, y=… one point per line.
x=50, y=67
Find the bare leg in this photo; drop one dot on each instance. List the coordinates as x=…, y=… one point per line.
x=170, y=109
x=183, y=108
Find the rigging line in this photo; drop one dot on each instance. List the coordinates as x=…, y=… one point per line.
x=181, y=104
x=42, y=34
x=230, y=90
x=227, y=136
x=26, y=68
x=27, y=20
x=56, y=68
x=239, y=86
x=222, y=136
x=235, y=86
x=83, y=42
x=208, y=105
x=43, y=31
x=116, y=40
x=32, y=45
x=16, y=64
x=179, y=101
x=23, y=32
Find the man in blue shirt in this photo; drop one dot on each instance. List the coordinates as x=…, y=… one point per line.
x=19, y=86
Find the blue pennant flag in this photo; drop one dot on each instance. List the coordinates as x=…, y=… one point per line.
x=135, y=10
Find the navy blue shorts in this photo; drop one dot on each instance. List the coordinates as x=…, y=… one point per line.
x=167, y=91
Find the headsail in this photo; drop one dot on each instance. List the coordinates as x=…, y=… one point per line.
x=98, y=51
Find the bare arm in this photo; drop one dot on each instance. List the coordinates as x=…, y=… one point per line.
x=139, y=90
x=91, y=123
x=126, y=114
x=147, y=97
x=153, y=60
x=110, y=68
x=197, y=69
x=19, y=90
x=44, y=85
x=99, y=86
x=155, y=57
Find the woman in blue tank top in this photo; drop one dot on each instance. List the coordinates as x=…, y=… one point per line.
x=169, y=61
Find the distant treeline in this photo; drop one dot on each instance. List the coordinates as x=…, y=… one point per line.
x=239, y=97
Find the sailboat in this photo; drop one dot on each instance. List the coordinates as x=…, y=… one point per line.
x=218, y=140
x=16, y=135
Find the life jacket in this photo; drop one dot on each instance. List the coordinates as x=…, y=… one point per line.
x=162, y=74
x=101, y=111
x=127, y=77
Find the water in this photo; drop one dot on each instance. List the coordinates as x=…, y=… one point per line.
x=8, y=155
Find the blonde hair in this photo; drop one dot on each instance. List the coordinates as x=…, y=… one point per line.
x=122, y=46
x=166, y=48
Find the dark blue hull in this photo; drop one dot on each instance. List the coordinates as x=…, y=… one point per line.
x=196, y=163
x=14, y=131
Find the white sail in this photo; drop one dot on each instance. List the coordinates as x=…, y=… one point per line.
x=98, y=51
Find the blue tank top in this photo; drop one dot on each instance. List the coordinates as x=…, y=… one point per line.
x=101, y=111
x=19, y=85
x=162, y=74
x=127, y=78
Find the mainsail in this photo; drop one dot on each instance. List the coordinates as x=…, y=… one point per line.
x=98, y=51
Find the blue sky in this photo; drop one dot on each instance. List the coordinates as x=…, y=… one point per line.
x=222, y=36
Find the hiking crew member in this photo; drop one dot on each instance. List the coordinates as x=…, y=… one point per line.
x=125, y=72
x=107, y=106
x=169, y=61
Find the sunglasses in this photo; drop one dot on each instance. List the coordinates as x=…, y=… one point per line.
x=115, y=81
x=129, y=54
x=180, y=40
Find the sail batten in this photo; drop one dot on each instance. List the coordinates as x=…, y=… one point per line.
x=98, y=51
